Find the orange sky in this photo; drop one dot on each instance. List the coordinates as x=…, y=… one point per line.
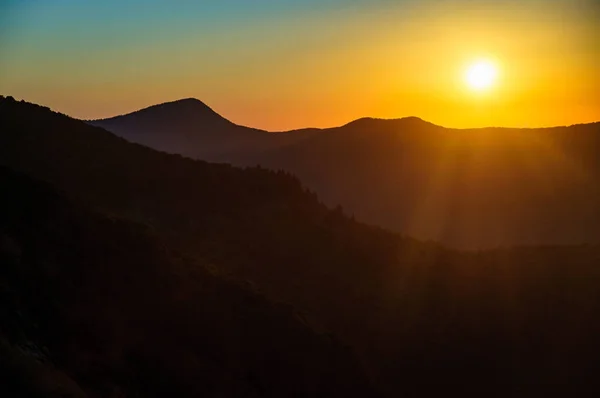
x=321, y=64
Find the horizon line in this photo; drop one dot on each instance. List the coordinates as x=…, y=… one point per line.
x=395, y=119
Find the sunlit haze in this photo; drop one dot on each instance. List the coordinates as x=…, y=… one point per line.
x=287, y=64
x=300, y=198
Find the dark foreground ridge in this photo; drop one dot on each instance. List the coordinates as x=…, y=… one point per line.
x=97, y=306
x=423, y=320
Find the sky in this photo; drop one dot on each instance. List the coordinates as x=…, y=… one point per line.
x=286, y=64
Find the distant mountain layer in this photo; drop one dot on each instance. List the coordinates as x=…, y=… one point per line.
x=422, y=320
x=473, y=188
x=191, y=128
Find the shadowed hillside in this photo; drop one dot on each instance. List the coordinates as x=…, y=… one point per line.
x=476, y=188
x=424, y=320
x=467, y=188
x=98, y=306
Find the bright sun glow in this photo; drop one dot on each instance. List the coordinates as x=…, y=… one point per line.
x=481, y=75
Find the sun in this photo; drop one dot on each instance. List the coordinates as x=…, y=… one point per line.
x=481, y=75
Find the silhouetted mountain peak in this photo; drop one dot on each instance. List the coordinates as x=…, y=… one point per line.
x=193, y=104
x=178, y=112
x=409, y=121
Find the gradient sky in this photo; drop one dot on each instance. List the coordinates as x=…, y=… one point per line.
x=286, y=64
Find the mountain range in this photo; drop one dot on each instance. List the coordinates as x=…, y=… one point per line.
x=133, y=272
x=470, y=188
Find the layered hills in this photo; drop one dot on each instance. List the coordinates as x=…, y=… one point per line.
x=421, y=319
x=470, y=188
